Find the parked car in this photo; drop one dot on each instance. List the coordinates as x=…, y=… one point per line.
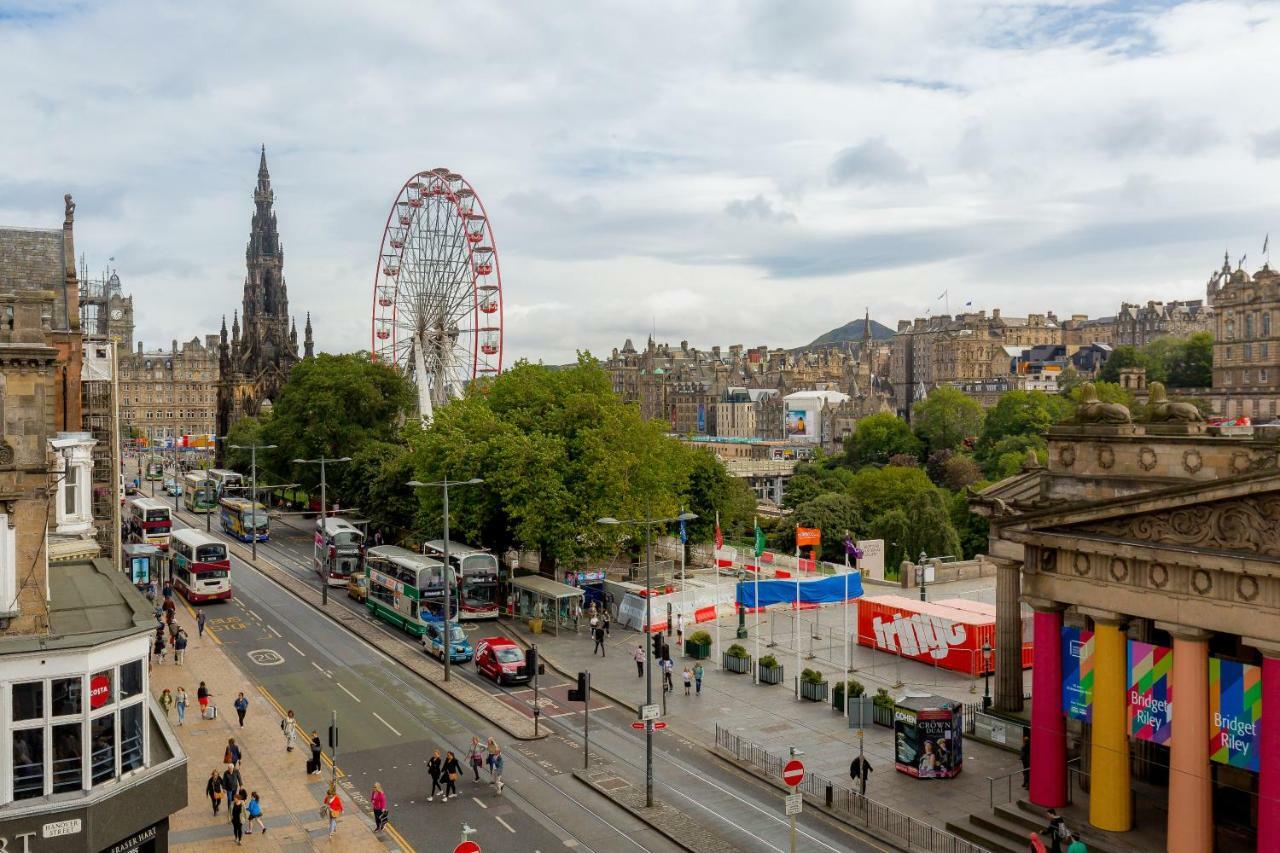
x=502, y=660
x=433, y=642
x=358, y=587
x=173, y=487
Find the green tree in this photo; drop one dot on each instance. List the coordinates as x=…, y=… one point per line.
x=877, y=438
x=959, y=472
x=1022, y=415
x=1192, y=364
x=973, y=529
x=1121, y=357
x=1108, y=392
x=246, y=432
x=946, y=418
x=710, y=490
x=833, y=513
x=815, y=478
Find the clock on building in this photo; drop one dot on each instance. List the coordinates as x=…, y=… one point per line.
x=116, y=313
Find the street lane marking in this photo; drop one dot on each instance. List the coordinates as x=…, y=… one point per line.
x=499, y=819
x=254, y=615
x=388, y=725
x=348, y=692
x=274, y=631
x=479, y=803
x=296, y=649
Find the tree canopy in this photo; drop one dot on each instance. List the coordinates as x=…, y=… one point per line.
x=1177, y=362
x=878, y=438
x=946, y=418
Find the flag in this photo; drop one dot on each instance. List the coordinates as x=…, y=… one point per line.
x=719, y=535
x=759, y=539
x=684, y=534
x=943, y=294
x=1266, y=241
x=808, y=537
x=968, y=304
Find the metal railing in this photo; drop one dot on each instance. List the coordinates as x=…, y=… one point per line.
x=877, y=818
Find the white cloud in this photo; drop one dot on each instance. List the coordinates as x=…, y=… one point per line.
x=751, y=174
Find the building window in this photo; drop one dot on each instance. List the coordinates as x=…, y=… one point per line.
x=1262, y=374
x=1248, y=326
x=1263, y=348
x=69, y=490
x=1266, y=324
x=28, y=700
x=1231, y=329
x=1248, y=352
x=1228, y=353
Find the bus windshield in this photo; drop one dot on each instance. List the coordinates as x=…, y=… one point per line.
x=211, y=553
x=157, y=515
x=346, y=539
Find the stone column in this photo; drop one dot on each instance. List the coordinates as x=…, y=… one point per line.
x=1190, y=782
x=1110, y=806
x=1008, y=636
x=1048, y=725
x=1268, y=748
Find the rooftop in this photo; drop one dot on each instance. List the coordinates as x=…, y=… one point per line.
x=90, y=604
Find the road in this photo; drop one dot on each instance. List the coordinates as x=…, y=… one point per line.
x=541, y=796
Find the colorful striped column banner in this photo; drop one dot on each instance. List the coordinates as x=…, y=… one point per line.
x=1150, y=699
x=1235, y=713
x=1077, y=673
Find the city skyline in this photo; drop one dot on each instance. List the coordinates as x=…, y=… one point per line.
x=740, y=172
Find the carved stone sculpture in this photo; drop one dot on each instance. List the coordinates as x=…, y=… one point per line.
x=71, y=208
x=1093, y=411
x=1161, y=410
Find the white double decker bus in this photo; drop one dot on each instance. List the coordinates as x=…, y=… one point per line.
x=477, y=573
x=339, y=550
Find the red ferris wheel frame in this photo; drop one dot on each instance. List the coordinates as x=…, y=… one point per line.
x=482, y=265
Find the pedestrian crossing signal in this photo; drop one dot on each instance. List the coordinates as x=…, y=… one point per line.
x=580, y=693
x=333, y=737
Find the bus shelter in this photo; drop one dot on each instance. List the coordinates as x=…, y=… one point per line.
x=537, y=598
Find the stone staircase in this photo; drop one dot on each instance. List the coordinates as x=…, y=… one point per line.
x=1008, y=829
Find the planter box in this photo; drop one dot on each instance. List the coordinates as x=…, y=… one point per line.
x=814, y=692
x=697, y=651
x=770, y=674
x=837, y=700
x=741, y=666
x=882, y=716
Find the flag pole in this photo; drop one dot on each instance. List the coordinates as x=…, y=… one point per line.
x=715, y=564
x=845, y=635
x=797, y=616
x=684, y=587
x=755, y=669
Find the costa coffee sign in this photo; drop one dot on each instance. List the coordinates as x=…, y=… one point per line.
x=99, y=690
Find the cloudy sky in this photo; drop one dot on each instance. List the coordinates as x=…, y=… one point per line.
x=752, y=172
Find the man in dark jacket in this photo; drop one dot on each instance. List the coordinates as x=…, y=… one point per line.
x=858, y=772
x=1026, y=760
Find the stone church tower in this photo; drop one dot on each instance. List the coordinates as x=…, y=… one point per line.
x=255, y=363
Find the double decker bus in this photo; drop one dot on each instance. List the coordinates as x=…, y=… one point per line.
x=201, y=567
x=226, y=481
x=199, y=492
x=149, y=521
x=155, y=468
x=339, y=550
x=405, y=589
x=245, y=520
x=477, y=570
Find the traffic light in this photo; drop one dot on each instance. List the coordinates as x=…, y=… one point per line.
x=531, y=660
x=580, y=693
x=333, y=737
x=657, y=645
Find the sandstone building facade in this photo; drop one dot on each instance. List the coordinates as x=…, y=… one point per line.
x=1246, y=363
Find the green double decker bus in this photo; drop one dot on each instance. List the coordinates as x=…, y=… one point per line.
x=404, y=588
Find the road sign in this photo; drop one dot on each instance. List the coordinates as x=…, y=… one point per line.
x=637, y=725
x=793, y=773
x=649, y=712
x=659, y=725
x=794, y=803
x=467, y=847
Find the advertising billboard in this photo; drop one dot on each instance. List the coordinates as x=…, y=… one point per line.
x=799, y=423
x=1077, y=673
x=1235, y=713
x=1150, y=707
x=872, y=560
x=702, y=417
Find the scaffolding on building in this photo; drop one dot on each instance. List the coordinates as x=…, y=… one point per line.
x=99, y=397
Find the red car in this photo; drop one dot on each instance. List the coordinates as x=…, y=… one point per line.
x=502, y=660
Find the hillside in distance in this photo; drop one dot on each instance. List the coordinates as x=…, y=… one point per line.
x=851, y=331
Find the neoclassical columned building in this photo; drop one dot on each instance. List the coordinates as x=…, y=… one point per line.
x=1150, y=553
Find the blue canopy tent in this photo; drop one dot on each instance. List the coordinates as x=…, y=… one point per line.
x=826, y=590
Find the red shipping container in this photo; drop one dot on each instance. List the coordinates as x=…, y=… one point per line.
x=1028, y=656
x=930, y=633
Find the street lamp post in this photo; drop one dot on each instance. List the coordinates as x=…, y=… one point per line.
x=324, y=513
x=448, y=569
x=986, y=676
x=253, y=501
x=647, y=524
x=208, y=516
x=920, y=573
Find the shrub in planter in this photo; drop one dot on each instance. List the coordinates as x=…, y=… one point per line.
x=698, y=645
x=852, y=688
x=737, y=660
x=770, y=670
x=813, y=685
x=882, y=713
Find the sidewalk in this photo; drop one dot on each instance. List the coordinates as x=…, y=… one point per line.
x=291, y=800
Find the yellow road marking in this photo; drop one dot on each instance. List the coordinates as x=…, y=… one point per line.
x=283, y=713
x=404, y=845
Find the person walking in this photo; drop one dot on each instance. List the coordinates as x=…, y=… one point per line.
x=378, y=800
x=604, y=620
x=159, y=648
x=497, y=771
x=493, y=750
x=166, y=702
x=687, y=674
x=598, y=633
x=179, y=646
x=1036, y=845
x=1026, y=760
x=1057, y=829
x=237, y=818
x=202, y=697
x=180, y=702
x=452, y=770
x=232, y=754
x=475, y=756
x=639, y=659
x=698, y=672
x=1076, y=845
x=668, y=675
x=313, y=765
x=434, y=768
x=679, y=630
x=242, y=707
x=213, y=790
x=333, y=803
x=200, y=623
x=231, y=783
x=859, y=769
x=255, y=814
x=289, y=726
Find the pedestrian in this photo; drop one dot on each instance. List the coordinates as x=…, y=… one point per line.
x=168, y=590
x=1026, y=760
x=434, y=768
x=289, y=725
x=200, y=623
x=598, y=633
x=255, y=813
x=497, y=770
x=169, y=607
x=180, y=702
x=242, y=707
x=1036, y=845
x=604, y=620
x=679, y=630
x=475, y=756
x=232, y=754
x=639, y=659
x=166, y=702
x=1057, y=829
x=333, y=803
x=698, y=672
x=213, y=790
x=237, y=818
x=493, y=750
x=859, y=769
x=202, y=697
x=313, y=765
x=231, y=783
x=577, y=615
x=378, y=800
x=452, y=770
x=1076, y=845
x=179, y=646
x=668, y=675
x=159, y=648
x=688, y=680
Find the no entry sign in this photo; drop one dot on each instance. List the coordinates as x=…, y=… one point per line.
x=793, y=773
x=467, y=847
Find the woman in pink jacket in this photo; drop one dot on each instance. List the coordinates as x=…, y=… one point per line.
x=379, y=801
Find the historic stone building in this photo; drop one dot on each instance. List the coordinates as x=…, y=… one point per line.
x=170, y=393
x=1138, y=325
x=1138, y=542
x=1246, y=363
x=254, y=364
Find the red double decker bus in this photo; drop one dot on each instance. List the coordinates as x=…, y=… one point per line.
x=201, y=566
x=149, y=521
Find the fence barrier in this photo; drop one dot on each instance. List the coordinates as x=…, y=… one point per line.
x=858, y=810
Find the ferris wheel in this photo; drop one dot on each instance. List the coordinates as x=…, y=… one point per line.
x=437, y=292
